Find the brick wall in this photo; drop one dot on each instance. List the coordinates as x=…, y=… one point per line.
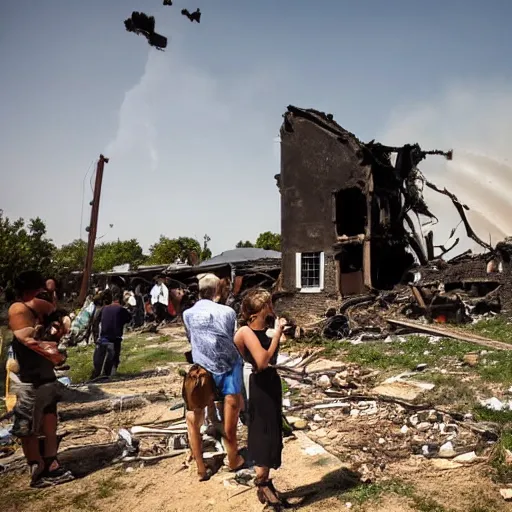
x=307, y=307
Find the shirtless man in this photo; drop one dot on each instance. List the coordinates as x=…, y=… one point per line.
x=35, y=412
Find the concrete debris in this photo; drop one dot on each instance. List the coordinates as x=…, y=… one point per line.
x=506, y=494
x=404, y=390
x=467, y=458
x=324, y=382
x=445, y=464
x=446, y=451
x=293, y=419
x=495, y=404
x=300, y=425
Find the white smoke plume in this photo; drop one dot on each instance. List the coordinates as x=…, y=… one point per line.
x=136, y=128
x=475, y=121
x=185, y=155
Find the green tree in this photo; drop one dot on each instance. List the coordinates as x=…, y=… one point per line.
x=242, y=244
x=269, y=240
x=22, y=247
x=169, y=250
x=109, y=254
x=70, y=257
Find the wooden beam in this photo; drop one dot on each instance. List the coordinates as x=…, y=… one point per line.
x=450, y=332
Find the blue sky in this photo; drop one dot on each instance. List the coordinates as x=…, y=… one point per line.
x=192, y=132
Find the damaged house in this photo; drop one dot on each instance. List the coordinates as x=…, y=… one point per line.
x=344, y=211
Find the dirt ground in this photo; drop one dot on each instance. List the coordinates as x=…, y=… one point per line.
x=312, y=477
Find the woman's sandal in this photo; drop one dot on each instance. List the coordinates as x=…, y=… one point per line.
x=268, y=495
x=284, y=502
x=207, y=475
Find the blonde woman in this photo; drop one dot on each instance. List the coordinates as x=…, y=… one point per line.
x=265, y=440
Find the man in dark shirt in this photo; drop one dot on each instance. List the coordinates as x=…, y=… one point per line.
x=113, y=318
x=37, y=394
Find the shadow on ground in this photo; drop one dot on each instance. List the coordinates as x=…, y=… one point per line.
x=332, y=484
x=84, y=460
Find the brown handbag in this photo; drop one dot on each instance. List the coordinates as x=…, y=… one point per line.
x=198, y=388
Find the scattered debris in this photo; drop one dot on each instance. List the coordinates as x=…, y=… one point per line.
x=194, y=16
x=506, y=494
x=446, y=451
x=324, y=382
x=494, y=404
x=467, y=458
x=403, y=390
x=343, y=410
x=142, y=24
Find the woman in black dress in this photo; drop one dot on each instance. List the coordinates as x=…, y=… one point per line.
x=265, y=392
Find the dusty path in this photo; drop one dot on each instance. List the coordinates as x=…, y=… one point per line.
x=306, y=469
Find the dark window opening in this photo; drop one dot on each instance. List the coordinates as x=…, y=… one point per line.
x=350, y=212
x=310, y=270
x=350, y=270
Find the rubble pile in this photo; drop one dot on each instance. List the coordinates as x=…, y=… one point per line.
x=340, y=407
x=459, y=291
x=431, y=302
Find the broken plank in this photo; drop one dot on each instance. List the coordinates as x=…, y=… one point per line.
x=447, y=332
x=310, y=357
x=118, y=404
x=418, y=296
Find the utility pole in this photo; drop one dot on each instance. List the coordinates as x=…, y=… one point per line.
x=93, y=226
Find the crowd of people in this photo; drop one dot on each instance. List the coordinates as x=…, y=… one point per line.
x=231, y=364
x=107, y=312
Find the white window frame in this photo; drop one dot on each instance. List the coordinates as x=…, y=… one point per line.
x=298, y=274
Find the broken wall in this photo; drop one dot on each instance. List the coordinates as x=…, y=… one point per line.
x=318, y=159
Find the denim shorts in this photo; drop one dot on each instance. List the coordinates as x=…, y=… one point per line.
x=229, y=383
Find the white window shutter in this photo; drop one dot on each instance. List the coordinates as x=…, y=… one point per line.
x=298, y=270
x=322, y=270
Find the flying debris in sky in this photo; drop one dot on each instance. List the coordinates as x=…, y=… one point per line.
x=167, y=2
x=142, y=24
x=195, y=16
